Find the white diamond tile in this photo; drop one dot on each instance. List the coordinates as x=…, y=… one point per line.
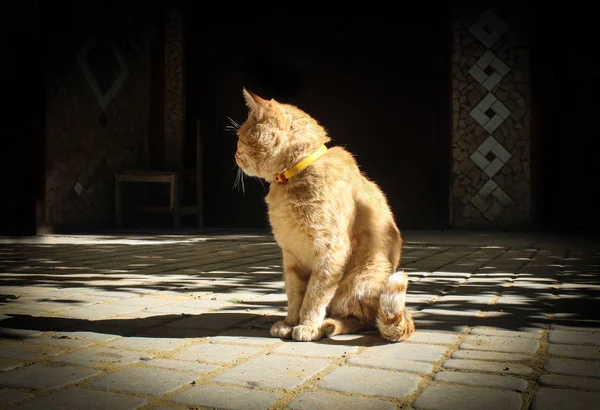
x=501, y=110
x=488, y=28
x=478, y=74
x=493, y=167
x=501, y=196
x=78, y=188
x=103, y=98
x=485, y=60
x=479, y=203
x=486, y=102
x=489, y=59
x=493, y=124
x=487, y=145
x=492, y=81
x=479, y=116
x=488, y=188
x=501, y=153
x=500, y=67
x=479, y=159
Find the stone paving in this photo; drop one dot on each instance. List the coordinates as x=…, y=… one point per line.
x=181, y=322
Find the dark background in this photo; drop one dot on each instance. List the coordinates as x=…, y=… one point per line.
x=380, y=84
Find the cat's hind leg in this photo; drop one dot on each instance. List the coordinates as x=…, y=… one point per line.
x=343, y=325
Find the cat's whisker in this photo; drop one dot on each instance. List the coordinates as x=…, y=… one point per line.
x=239, y=181
x=233, y=123
x=242, y=179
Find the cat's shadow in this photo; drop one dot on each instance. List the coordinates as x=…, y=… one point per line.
x=209, y=324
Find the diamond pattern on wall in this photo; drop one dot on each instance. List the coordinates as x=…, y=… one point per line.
x=488, y=28
x=490, y=156
x=103, y=98
x=490, y=113
x=489, y=70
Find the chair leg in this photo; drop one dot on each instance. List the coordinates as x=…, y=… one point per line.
x=175, y=201
x=118, y=211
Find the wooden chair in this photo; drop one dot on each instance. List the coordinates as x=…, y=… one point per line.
x=175, y=180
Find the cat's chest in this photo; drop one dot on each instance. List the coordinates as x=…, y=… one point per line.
x=290, y=224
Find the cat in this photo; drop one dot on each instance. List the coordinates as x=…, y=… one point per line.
x=340, y=243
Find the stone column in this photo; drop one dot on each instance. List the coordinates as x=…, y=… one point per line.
x=174, y=90
x=491, y=177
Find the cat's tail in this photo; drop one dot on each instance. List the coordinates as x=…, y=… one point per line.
x=394, y=322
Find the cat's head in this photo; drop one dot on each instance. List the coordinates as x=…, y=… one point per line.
x=274, y=137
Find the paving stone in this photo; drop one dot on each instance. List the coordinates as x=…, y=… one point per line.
x=42, y=377
x=414, y=358
x=315, y=400
x=364, y=339
x=246, y=337
x=323, y=348
x=137, y=380
x=98, y=333
x=11, y=334
x=372, y=382
x=144, y=301
x=572, y=326
x=546, y=398
x=483, y=380
x=437, y=324
x=398, y=364
x=212, y=320
x=182, y=365
x=7, y=364
x=78, y=398
x=216, y=353
x=273, y=371
x=442, y=396
x=61, y=341
x=489, y=367
x=574, y=351
x=188, y=307
x=569, y=382
x=452, y=314
x=438, y=338
x=500, y=344
x=225, y=397
x=532, y=333
x=27, y=351
x=176, y=332
x=574, y=338
x=9, y=396
x=97, y=311
x=100, y=357
x=155, y=344
x=492, y=356
x=573, y=367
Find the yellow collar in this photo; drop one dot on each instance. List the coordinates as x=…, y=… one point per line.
x=285, y=176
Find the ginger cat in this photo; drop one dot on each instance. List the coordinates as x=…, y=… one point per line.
x=340, y=243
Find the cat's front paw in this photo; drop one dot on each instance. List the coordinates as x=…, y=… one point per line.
x=281, y=329
x=304, y=333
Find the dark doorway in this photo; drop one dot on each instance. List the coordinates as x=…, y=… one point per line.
x=22, y=147
x=379, y=86
x=566, y=86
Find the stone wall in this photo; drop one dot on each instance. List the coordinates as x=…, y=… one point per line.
x=98, y=107
x=491, y=178
x=174, y=90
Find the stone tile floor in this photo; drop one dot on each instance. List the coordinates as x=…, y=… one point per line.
x=504, y=321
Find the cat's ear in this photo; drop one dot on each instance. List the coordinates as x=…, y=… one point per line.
x=253, y=101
